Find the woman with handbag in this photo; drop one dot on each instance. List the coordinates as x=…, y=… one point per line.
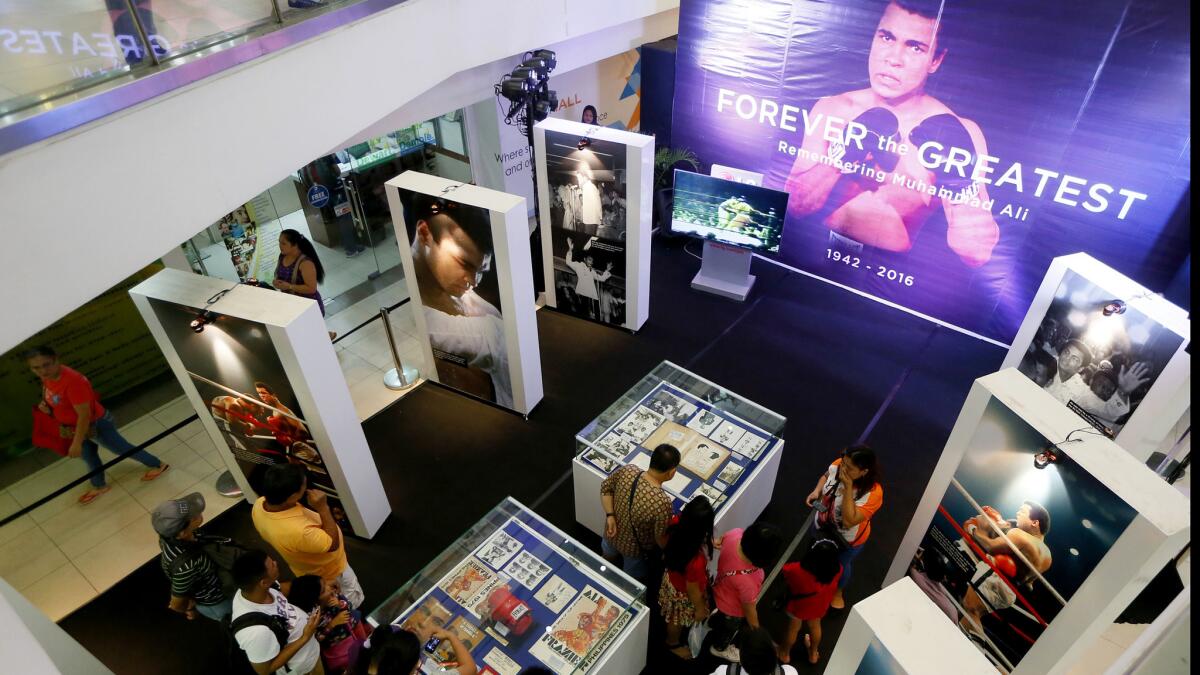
x=340, y=630
x=845, y=499
x=683, y=595
x=68, y=397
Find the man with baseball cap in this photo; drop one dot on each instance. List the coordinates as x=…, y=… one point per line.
x=196, y=586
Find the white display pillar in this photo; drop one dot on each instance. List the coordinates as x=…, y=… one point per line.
x=899, y=631
x=32, y=644
x=472, y=291
x=264, y=379
x=620, y=163
x=1115, y=318
x=1111, y=524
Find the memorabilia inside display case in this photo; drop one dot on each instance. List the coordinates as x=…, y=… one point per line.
x=723, y=439
x=519, y=592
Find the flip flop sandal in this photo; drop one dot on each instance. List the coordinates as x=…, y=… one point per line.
x=160, y=471
x=91, y=495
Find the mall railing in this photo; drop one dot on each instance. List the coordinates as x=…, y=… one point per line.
x=159, y=436
x=67, y=64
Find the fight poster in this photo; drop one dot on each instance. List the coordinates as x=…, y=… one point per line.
x=938, y=154
x=237, y=372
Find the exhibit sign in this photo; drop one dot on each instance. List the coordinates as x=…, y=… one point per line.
x=940, y=154
x=266, y=389
x=1109, y=349
x=465, y=251
x=1035, y=530
x=898, y=631
x=594, y=187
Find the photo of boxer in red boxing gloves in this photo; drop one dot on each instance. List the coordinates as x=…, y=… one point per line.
x=900, y=144
x=991, y=588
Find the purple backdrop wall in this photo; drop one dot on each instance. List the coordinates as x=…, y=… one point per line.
x=974, y=141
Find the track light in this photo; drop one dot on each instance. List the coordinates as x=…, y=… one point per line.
x=202, y=319
x=583, y=143
x=1113, y=307
x=547, y=56
x=1046, y=457
x=540, y=66
x=514, y=87
x=545, y=104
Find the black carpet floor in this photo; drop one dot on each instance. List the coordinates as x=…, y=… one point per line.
x=840, y=367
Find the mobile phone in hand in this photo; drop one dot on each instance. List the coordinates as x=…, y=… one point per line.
x=432, y=644
x=821, y=508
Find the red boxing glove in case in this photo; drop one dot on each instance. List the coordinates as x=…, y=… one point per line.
x=509, y=611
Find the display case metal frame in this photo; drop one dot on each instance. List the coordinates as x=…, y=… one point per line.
x=625, y=654
x=750, y=497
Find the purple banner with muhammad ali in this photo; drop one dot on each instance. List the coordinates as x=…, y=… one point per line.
x=939, y=154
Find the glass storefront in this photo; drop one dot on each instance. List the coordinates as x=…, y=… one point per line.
x=337, y=201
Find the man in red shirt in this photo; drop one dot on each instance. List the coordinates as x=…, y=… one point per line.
x=69, y=398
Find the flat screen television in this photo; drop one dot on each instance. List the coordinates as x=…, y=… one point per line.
x=728, y=212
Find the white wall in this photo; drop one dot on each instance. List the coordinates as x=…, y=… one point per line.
x=85, y=208
x=32, y=644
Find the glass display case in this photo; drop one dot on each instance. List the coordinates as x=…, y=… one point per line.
x=726, y=442
x=519, y=592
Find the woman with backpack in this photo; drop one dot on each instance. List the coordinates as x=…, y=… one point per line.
x=810, y=585
x=683, y=595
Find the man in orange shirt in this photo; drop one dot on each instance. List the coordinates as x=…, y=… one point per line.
x=307, y=538
x=69, y=398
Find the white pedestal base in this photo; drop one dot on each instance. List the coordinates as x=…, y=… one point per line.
x=725, y=271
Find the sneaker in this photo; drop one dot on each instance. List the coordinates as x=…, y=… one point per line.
x=304, y=4
x=729, y=654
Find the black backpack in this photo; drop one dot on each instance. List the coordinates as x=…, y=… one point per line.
x=222, y=551
x=275, y=622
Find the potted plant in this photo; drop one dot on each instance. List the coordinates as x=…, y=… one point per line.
x=666, y=160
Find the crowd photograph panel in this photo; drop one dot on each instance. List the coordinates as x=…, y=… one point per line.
x=1093, y=352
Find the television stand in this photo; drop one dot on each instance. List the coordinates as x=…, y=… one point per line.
x=725, y=271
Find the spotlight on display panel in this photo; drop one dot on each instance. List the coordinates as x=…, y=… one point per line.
x=901, y=631
x=595, y=200
x=1110, y=350
x=465, y=251
x=1036, y=530
x=259, y=369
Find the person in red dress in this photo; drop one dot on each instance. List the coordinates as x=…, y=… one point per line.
x=811, y=584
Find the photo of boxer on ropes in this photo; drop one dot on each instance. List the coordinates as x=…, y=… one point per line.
x=1103, y=361
x=991, y=560
x=903, y=153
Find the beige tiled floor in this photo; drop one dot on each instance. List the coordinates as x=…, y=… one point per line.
x=64, y=553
